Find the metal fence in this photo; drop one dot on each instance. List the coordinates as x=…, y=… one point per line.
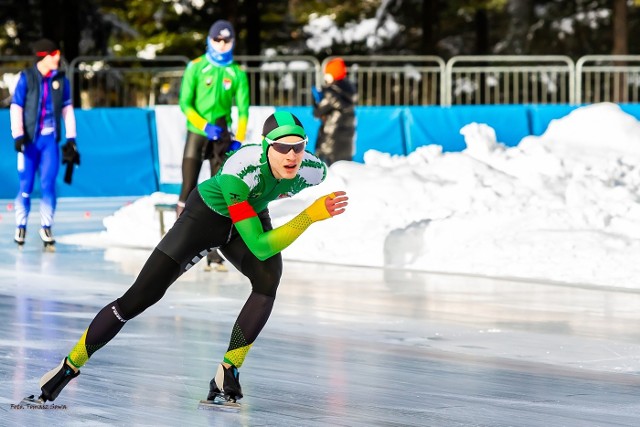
x=280, y=80
x=396, y=80
x=123, y=81
x=510, y=80
x=614, y=78
x=380, y=80
x=10, y=67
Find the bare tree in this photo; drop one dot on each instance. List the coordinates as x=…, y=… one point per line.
x=620, y=47
x=620, y=28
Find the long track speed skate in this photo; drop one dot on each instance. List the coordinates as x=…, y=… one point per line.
x=47, y=239
x=20, y=236
x=224, y=390
x=52, y=383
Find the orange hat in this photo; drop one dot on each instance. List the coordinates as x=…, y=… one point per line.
x=336, y=68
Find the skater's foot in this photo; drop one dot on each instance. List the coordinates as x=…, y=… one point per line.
x=21, y=234
x=217, y=266
x=56, y=379
x=47, y=238
x=215, y=262
x=225, y=384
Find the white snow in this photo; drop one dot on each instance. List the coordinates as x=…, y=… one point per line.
x=563, y=207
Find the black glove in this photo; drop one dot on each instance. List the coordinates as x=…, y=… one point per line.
x=20, y=142
x=70, y=154
x=71, y=157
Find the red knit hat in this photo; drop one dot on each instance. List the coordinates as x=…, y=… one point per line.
x=336, y=68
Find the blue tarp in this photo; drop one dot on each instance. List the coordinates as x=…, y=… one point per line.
x=119, y=145
x=118, y=155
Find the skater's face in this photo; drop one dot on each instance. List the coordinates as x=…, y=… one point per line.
x=221, y=44
x=50, y=60
x=285, y=156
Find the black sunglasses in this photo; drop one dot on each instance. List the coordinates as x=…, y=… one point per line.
x=223, y=39
x=284, y=148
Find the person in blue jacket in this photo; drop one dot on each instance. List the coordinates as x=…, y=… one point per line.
x=41, y=101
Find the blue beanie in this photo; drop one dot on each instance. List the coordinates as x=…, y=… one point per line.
x=222, y=29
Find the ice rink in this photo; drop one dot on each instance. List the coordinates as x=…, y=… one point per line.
x=345, y=346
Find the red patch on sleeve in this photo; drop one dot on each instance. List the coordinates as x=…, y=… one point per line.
x=241, y=211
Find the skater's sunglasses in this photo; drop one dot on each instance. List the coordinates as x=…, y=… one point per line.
x=285, y=147
x=223, y=39
x=47, y=53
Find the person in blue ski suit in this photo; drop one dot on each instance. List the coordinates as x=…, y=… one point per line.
x=41, y=100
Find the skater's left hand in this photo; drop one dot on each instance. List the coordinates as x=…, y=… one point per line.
x=336, y=202
x=70, y=153
x=234, y=145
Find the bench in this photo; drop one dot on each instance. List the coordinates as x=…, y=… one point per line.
x=161, y=208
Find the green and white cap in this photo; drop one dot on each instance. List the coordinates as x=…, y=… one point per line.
x=281, y=124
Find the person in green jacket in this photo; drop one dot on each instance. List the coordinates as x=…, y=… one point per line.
x=210, y=85
x=228, y=211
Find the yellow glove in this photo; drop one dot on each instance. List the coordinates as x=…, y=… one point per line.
x=318, y=210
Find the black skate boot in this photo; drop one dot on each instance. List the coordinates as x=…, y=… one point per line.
x=225, y=384
x=55, y=380
x=215, y=262
x=19, y=237
x=47, y=238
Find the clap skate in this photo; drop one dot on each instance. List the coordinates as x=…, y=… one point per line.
x=52, y=383
x=224, y=389
x=215, y=262
x=47, y=239
x=20, y=236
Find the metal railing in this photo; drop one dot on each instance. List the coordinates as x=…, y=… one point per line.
x=121, y=81
x=380, y=80
x=396, y=80
x=510, y=80
x=613, y=78
x=10, y=67
x=280, y=80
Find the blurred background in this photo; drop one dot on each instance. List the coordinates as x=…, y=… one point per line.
x=423, y=70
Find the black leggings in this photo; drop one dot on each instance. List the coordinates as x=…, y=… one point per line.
x=195, y=233
x=197, y=149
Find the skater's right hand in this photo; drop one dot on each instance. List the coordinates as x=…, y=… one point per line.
x=213, y=132
x=20, y=143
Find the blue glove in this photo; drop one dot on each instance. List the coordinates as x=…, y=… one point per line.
x=213, y=132
x=317, y=95
x=234, y=145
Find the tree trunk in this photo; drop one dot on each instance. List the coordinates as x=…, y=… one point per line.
x=482, y=46
x=620, y=47
x=252, y=9
x=620, y=28
x=429, y=27
x=482, y=32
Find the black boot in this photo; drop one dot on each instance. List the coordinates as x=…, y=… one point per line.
x=55, y=380
x=226, y=384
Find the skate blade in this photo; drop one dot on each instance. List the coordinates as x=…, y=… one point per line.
x=221, y=268
x=32, y=400
x=49, y=248
x=219, y=404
